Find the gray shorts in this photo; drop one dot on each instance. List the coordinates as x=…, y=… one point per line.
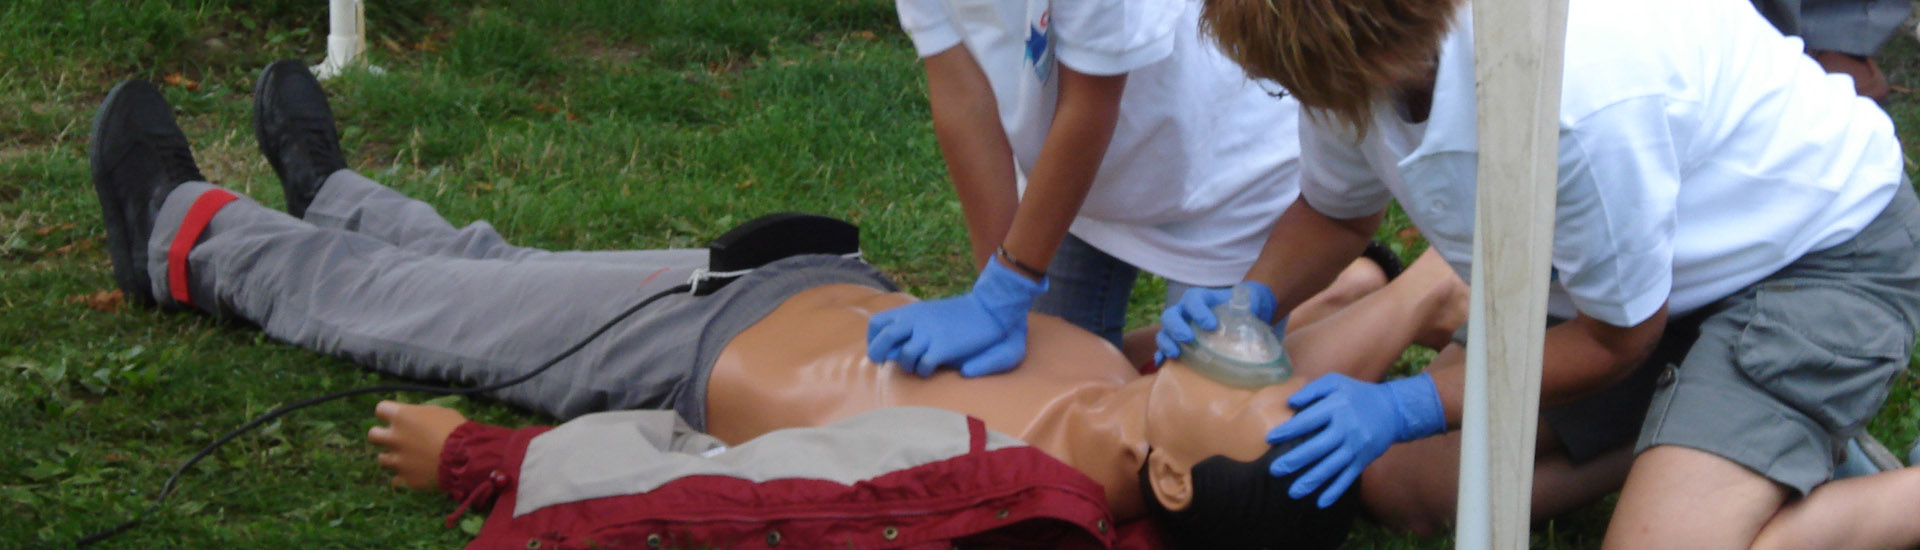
x=1777, y=376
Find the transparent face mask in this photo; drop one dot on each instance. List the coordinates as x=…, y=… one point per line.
x=1243, y=351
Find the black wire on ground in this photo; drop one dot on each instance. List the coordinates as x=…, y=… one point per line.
x=167, y=489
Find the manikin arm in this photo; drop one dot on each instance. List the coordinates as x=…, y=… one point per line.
x=411, y=441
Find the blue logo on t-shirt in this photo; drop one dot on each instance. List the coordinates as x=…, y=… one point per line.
x=1038, y=38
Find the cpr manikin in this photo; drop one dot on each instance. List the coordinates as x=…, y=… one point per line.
x=1074, y=397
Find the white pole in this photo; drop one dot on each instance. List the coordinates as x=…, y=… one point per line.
x=1518, y=46
x=346, y=38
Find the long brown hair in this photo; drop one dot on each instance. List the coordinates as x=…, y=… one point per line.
x=1338, y=57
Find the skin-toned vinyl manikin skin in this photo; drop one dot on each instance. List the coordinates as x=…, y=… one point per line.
x=1074, y=397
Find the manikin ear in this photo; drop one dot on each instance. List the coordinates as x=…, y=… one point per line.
x=1172, y=483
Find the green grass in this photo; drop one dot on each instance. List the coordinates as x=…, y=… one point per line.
x=595, y=124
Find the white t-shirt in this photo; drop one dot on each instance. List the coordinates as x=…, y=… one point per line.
x=1700, y=151
x=1202, y=160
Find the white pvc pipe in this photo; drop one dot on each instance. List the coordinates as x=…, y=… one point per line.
x=346, y=38
x=1518, y=54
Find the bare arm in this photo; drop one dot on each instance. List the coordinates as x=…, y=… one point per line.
x=1582, y=356
x=1076, y=142
x=1306, y=250
x=966, y=119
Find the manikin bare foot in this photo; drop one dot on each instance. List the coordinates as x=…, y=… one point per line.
x=410, y=442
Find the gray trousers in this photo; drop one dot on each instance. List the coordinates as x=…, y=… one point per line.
x=1857, y=27
x=380, y=279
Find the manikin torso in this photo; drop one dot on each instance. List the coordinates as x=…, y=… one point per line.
x=1074, y=397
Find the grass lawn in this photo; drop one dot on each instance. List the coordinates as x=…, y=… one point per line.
x=592, y=124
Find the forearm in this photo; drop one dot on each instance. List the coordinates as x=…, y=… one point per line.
x=1306, y=250
x=1069, y=160
x=1581, y=357
x=966, y=120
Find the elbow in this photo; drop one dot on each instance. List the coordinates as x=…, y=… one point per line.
x=1627, y=348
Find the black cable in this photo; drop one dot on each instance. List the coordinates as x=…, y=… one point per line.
x=167, y=489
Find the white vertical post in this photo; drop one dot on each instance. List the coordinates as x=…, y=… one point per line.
x=346, y=37
x=1518, y=55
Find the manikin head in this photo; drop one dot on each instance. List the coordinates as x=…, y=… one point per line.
x=1205, y=478
x=1338, y=57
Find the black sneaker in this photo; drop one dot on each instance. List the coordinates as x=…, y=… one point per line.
x=138, y=155
x=295, y=129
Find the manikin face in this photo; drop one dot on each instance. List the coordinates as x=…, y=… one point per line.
x=1208, y=468
x=1191, y=418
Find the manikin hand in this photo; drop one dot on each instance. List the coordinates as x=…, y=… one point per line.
x=410, y=443
x=1352, y=423
x=1195, y=310
x=983, y=331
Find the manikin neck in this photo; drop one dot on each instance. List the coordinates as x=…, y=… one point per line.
x=1101, y=430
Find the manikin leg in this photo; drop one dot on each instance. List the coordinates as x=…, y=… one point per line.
x=468, y=321
x=351, y=202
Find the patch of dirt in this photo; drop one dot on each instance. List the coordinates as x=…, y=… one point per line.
x=605, y=50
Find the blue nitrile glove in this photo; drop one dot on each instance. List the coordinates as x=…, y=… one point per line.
x=983, y=331
x=1195, y=310
x=1351, y=422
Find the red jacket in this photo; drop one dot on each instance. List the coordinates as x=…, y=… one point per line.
x=896, y=478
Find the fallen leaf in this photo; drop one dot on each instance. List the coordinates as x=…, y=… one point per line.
x=1407, y=236
x=178, y=81
x=75, y=246
x=52, y=228
x=545, y=108
x=864, y=35
x=105, y=300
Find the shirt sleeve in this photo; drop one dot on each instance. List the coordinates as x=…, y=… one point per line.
x=1615, y=215
x=928, y=25
x=1335, y=178
x=1112, y=37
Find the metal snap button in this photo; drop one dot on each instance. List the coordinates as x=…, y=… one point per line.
x=1002, y=514
x=1101, y=525
x=533, y=544
x=653, y=540
x=1667, y=375
x=890, y=533
x=773, y=538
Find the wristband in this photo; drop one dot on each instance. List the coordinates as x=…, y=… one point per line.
x=1029, y=271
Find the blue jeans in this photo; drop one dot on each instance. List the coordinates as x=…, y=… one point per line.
x=1090, y=288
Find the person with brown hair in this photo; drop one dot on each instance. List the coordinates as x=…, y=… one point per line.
x=1736, y=265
